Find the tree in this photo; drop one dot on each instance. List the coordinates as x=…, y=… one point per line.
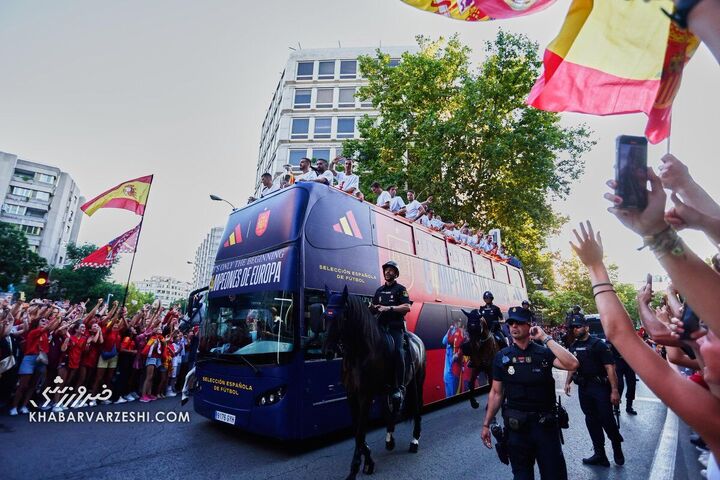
x=16, y=258
x=136, y=299
x=466, y=137
x=78, y=285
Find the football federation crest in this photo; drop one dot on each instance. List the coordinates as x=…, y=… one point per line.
x=262, y=223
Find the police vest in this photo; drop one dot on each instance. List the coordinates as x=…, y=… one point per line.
x=528, y=381
x=589, y=354
x=492, y=314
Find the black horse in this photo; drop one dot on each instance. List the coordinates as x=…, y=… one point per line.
x=481, y=348
x=368, y=371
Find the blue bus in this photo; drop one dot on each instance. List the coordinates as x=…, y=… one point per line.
x=260, y=365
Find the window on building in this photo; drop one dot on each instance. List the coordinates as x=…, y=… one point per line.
x=15, y=209
x=302, y=98
x=304, y=70
x=324, y=98
x=326, y=70
x=300, y=128
x=318, y=153
x=35, y=212
x=394, y=62
x=42, y=196
x=322, y=127
x=346, y=127
x=22, y=192
x=30, y=230
x=347, y=97
x=294, y=156
x=44, y=178
x=348, y=69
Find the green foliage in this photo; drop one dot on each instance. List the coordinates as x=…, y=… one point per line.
x=16, y=259
x=466, y=137
x=136, y=299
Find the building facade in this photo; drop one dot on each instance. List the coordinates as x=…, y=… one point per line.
x=42, y=201
x=314, y=108
x=205, y=258
x=165, y=289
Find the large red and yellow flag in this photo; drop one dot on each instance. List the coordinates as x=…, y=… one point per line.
x=104, y=256
x=480, y=10
x=615, y=57
x=131, y=195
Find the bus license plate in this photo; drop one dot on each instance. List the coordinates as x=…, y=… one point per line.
x=225, y=417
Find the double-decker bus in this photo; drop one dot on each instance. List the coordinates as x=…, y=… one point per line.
x=260, y=362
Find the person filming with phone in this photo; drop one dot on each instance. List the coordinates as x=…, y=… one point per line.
x=524, y=386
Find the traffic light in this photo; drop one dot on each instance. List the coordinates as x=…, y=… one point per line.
x=42, y=283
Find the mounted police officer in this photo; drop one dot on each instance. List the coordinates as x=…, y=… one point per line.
x=524, y=386
x=391, y=302
x=493, y=315
x=598, y=390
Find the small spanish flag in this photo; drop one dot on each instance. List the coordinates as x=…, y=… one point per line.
x=131, y=195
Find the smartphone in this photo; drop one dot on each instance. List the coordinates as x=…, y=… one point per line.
x=691, y=322
x=631, y=172
x=648, y=280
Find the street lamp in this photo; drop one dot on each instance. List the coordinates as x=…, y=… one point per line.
x=218, y=199
x=108, y=298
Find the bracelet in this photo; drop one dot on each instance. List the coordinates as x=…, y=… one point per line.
x=547, y=340
x=601, y=284
x=603, y=291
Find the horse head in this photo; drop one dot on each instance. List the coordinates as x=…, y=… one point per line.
x=334, y=319
x=476, y=324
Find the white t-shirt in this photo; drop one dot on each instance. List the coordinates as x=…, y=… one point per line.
x=347, y=182
x=268, y=190
x=412, y=209
x=437, y=222
x=383, y=198
x=425, y=221
x=327, y=175
x=307, y=176
x=396, y=203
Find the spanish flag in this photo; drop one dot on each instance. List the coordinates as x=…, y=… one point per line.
x=615, y=57
x=131, y=195
x=480, y=10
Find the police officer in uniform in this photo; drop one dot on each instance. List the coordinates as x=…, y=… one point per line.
x=524, y=386
x=625, y=375
x=391, y=302
x=598, y=390
x=492, y=315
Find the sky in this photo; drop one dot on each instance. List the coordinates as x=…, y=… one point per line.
x=109, y=91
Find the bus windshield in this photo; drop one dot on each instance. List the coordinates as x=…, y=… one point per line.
x=258, y=325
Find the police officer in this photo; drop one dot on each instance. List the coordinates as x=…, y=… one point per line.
x=625, y=374
x=598, y=390
x=493, y=315
x=524, y=385
x=391, y=302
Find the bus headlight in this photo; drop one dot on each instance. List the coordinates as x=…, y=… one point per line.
x=271, y=397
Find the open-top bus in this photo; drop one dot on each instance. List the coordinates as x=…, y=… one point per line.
x=260, y=364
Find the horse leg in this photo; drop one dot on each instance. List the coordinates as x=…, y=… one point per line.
x=390, y=428
x=353, y=401
x=417, y=386
x=360, y=445
x=473, y=378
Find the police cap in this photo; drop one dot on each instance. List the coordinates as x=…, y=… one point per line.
x=391, y=264
x=489, y=295
x=578, y=320
x=518, y=314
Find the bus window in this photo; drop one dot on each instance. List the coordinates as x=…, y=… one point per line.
x=501, y=272
x=432, y=325
x=459, y=257
x=430, y=247
x=516, y=278
x=313, y=330
x=258, y=326
x=393, y=234
x=483, y=265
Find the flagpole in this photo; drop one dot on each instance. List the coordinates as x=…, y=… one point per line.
x=137, y=243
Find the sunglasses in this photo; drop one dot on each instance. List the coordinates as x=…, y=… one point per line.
x=513, y=322
x=578, y=326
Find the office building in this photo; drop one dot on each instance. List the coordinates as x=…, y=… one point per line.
x=205, y=258
x=165, y=289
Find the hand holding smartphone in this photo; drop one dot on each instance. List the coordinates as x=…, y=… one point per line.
x=631, y=172
x=691, y=323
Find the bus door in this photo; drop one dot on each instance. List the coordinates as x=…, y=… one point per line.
x=432, y=328
x=324, y=402
x=458, y=318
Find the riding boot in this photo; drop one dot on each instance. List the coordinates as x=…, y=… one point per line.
x=618, y=455
x=629, y=408
x=598, y=458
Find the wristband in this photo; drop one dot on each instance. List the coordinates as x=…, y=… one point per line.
x=609, y=284
x=547, y=340
x=603, y=291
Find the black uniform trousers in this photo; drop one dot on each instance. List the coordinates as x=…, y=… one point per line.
x=595, y=404
x=536, y=442
x=625, y=374
x=397, y=333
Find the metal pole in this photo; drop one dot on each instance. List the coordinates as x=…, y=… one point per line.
x=137, y=243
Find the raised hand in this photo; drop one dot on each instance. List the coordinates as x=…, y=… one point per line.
x=674, y=174
x=589, y=247
x=646, y=222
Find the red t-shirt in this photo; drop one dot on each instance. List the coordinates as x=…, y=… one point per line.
x=111, y=338
x=128, y=343
x=90, y=358
x=77, y=346
x=36, y=341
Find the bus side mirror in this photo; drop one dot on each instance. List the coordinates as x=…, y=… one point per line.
x=317, y=320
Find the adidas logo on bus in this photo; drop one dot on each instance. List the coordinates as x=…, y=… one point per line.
x=348, y=225
x=235, y=237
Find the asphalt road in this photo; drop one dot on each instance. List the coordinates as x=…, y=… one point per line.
x=450, y=447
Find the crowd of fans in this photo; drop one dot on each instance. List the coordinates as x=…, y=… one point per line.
x=102, y=352
x=413, y=210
